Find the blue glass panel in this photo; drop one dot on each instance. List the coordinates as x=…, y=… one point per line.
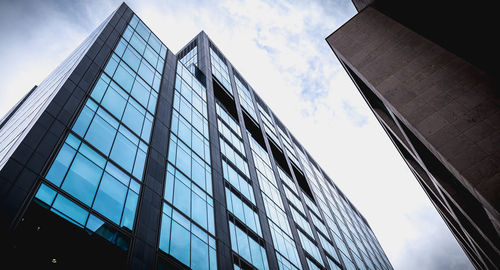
x=199, y=249
x=182, y=197
x=140, y=160
x=82, y=179
x=124, y=77
x=150, y=55
x=70, y=209
x=132, y=58
x=92, y=155
x=110, y=198
x=152, y=102
x=138, y=43
x=155, y=43
x=101, y=134
x=140, y=91
x=45, y=194
x=198, y=174
x=123, y=152
x=147, y=72
x=180, y=242
x=114, y=101
x=100, y=88
x=128, y=33
x=143, y=30
x=83, y=121
x=213, y=259
x=183, y=159
x=146, y=129
x=243, y=248
x=120, y=48
x=61, y=165
x=129, y=212
x=94, y=223
x=111, y=65
x=199, y=208
x=169, y=184
x=165, y=233
x=134, y=117
x=255, y=250
x=133, y=22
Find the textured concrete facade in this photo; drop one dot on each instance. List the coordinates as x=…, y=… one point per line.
x=442, y=113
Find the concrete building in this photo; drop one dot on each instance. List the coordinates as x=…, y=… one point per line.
x=131, y=156
x=428, y=70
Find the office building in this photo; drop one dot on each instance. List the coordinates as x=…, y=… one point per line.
x=129, y=155
x=428, y=70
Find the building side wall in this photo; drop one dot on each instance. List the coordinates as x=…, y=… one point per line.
x=442, y=112
x=448, y=104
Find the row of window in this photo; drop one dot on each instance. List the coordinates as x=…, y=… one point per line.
x=245, y=98
x=220, y=71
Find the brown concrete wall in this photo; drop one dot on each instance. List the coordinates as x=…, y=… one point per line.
x=446, y=102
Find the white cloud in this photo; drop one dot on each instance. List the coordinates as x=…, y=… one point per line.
x=279, y=48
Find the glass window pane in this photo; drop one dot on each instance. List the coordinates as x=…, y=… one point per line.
x=141, y=91
x=82, y=179
x=129, y=212
x=46, y=194
x=147, y=72
x=133, y=117
x=61, y=165
x=83, y=121
x=110, y=198
x=165, y=233
x=124, y=76
x=114, y=101
x=199, y=208
x=132, y=58
x=101, y=134
x=70, y=209
x=180, y=242
x=199, y=249
x=138, y=43
x=182, y=197
x=123, y=152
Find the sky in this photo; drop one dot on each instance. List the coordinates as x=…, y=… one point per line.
x=279, y=47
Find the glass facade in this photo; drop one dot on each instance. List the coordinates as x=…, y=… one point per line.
x=172, y=186
x=188, y=227
x=96, y=177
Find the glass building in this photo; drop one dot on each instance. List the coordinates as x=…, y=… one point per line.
x=131, y=156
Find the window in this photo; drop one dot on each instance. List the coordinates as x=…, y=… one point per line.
x=189, y=199
x=186, y=242
x=220, y=71
x=243, y=212
x=310, y=247
x=245, y=98
x=237, y=181
x=97, y=183
x=247, y=247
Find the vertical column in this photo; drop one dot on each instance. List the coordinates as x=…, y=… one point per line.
x=221, y=222
x=144, y=247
